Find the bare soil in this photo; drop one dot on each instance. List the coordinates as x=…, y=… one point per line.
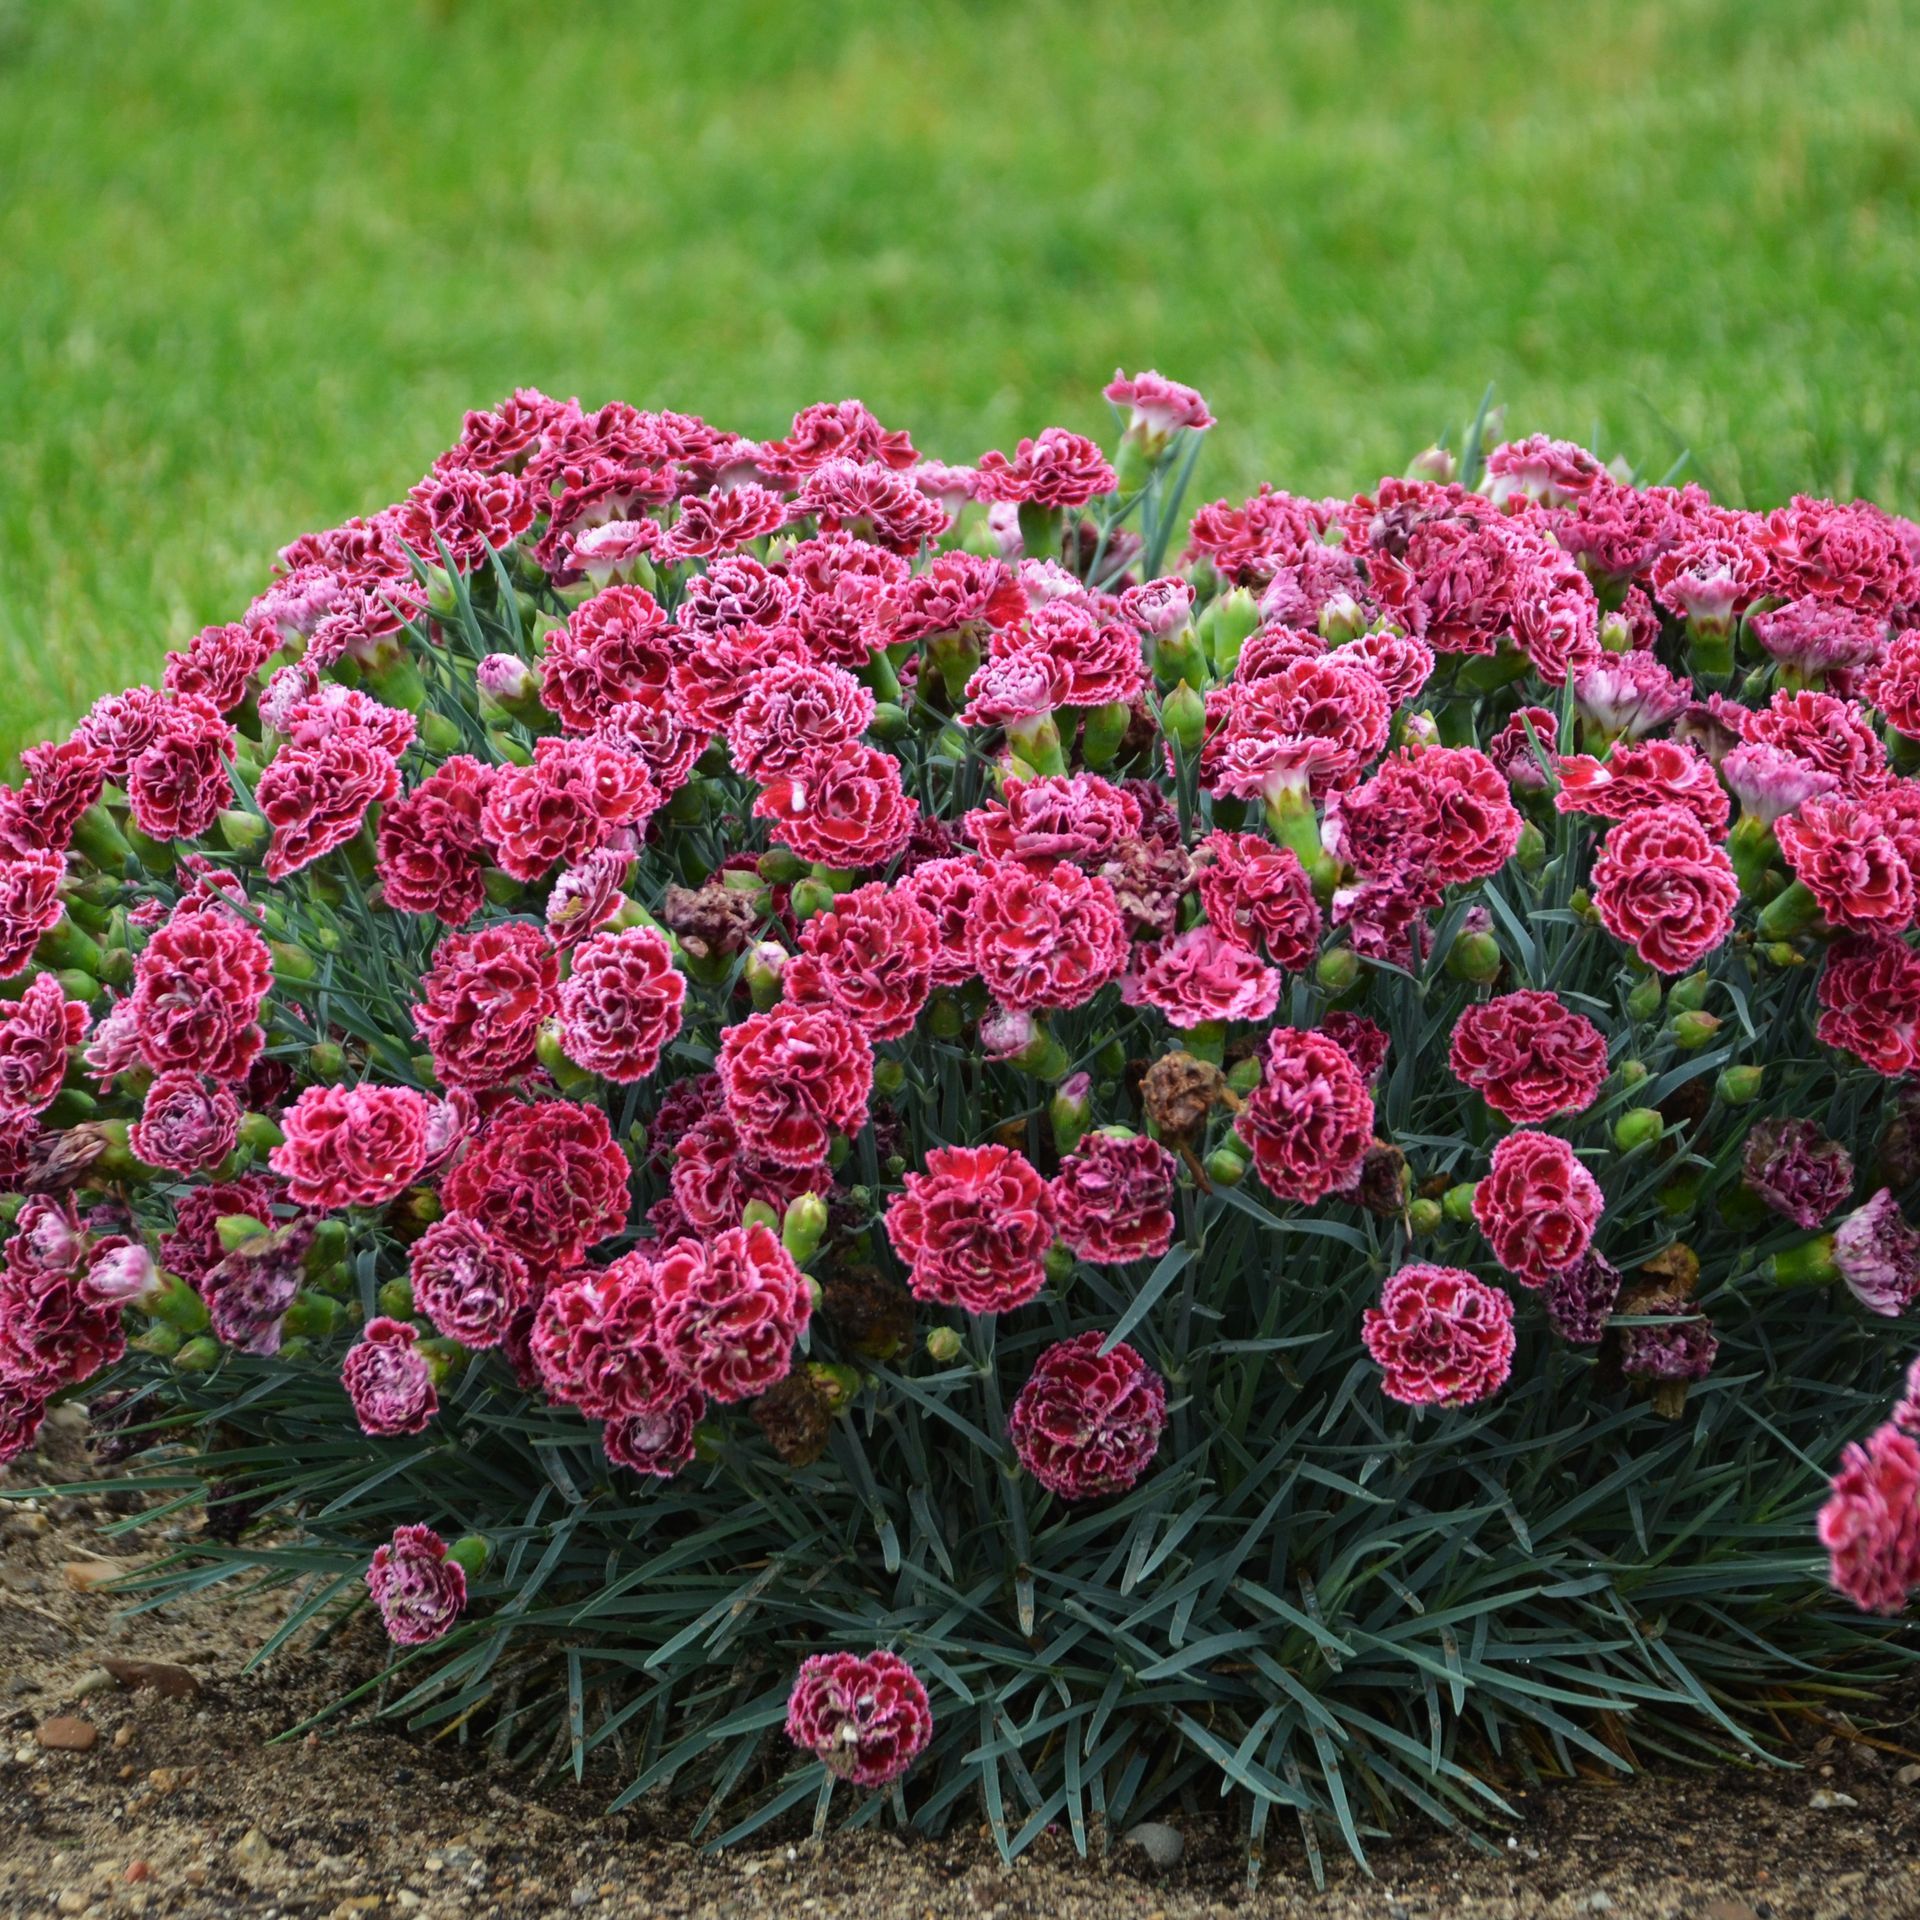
x=185, y=1803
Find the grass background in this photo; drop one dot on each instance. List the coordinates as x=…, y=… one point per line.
x=257, y=257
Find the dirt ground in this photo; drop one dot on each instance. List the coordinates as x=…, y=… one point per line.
x=173, y=1799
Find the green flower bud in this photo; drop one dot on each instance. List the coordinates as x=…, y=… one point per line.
x=1337, y=969
x=1475, y=957
x=395, y=1299
x=201, y=1354
x=781, y=868
x=1111, y=1060
x=889, y=1077
x=945, y=1019
x=315, y=1314
x=836, y=1381
x=327, y=1060
x=1457, y=1202
x=1059, y=1263
x=1183, y=718
x=1680, y=1196
x=1226, y=1167
x=438, y=734
x=236, y=1230
x=1638, y=1127
x=1692, y=1031
x=1738, y=1086
x=757, y=1213
x=944, y=1345
x=1226, y=625
x=889, y=721
x=809, y=896
x=245, y=833
x=1425, y=1216
x=259, y=1133
x=1689, y=995
x=1069, y=1112
x=1102, y=731
x=160, y=1340
x=801, y=1229
x=1531, y=850
x=1244, y=1075
x=1644, y=1001
x=470, y=1553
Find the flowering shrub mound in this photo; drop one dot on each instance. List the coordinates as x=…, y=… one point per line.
x=1079, y=1156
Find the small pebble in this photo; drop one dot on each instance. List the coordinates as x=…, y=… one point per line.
x=1826, y=1800
x=65, y=1733
x=1162, y=1844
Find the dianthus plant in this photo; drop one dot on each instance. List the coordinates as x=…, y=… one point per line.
x=918, y=1141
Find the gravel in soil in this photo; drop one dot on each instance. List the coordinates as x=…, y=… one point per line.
x=140, y=1774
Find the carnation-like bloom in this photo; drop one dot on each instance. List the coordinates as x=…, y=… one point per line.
x=483, y=1000
x=596, y=1341
x=614, y=647
x=1870, y=1522
x=548, y=1178
x=1835, y=735
x=432, y=856
x=1159, y=406
x=1440, y=1337
x=573, y=798
x=1310, y=1120
x=947, y=889
x=1088, y=1423
x=197, y=989
x=1045, y=939
x=1054, y=469
x=621, y=1004
x=1444, y=812
x=1258, y=894
x=1841, y=851
x=729, y=1311
x=1077, y=816
x=36, y=1032
x=1878, y=1255
x=1769, y=781
x=186, y=1123
x=352, y=1146
x=1310, y=725
x=1201, y=977
x=1638, y=775
x=871, y=954
x=1894, y=684
x=1665, y=887
x=1797, y=1170
x=658, y=1441
x=419, y=1591
x=843, y=806
x=1529, y=1056
x=468, y=1281
x=1870, y=996
x=1113, y=1197
x=387, y=1378
x=866, y=1716
x=1094, y=661
x=792, y=709
x=974, y=1229
x=1537, y=1206
x=1581, y=1298
x=794, y=1077
x=1628, y=693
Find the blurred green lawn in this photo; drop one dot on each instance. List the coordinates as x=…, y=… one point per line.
x=257, y=257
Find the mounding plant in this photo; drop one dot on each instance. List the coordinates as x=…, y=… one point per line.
x=801, y=1105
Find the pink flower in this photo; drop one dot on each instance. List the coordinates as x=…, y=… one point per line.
x=793, y=1077
x=1797, y=1170
x=792, y=709
x=574, y=797
x=185, y=1125
x=36, y=1032
x=1878, y=1255
x=724, y=518
x=1112, y=1198
x=177, y=782
x=843, y=430
x=30, y=905
x=419, y=1591
x=1055, y=469
x=1666, y=888
x=548, y=1178
x=866, y=1717
x=1553, y=472
x=1096, y=661
x=467, y=1281
x=1363, y=1041
x=1894, y=684
x=974, y=1229
x=1870, y=996
x=352, y=1146
x=1159, y=406
x=1313, y=723
x=1519, y=749
x=1870, y=1523
x=947, y=889
x=1629, y=693
x=1077, y=816
x=871, y=954
x=483, y=1001
x=1853, y=552
x=617, y=646
x=597, y=1344
x=1770, y=782
x=1841, y=851
x=1248, y=544
x=1537, y=1206
x=1440, y=1337
x=387, y=1378
x=842, y=806
x=714, y=1176
x=1310, y=1120
x=431, y=856
x=730, y=1310
x=21, y=1411
x=64, y=779
x=658, y=1441
x=469, y=513
x=1088, y=1423
x=870, y=499
x=1200, y=977
x=1835, y=735
x=1258, y=894
x=1443, y=811
x=1638, y=775
x=198, y=987
x=1821, y=635
x=1045, y=939
x=621, y=1004
x=1529, y=1056
x=219, y=664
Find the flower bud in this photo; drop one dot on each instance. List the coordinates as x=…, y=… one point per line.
x=438, y=734
x=1531, y=849
x=1244, y=1075
x=1689, y=995
x=1692, y=1031
x=765, y=965
x=889, y=721
x=1226, y=625
x=1342, y=618
x=1435, y=465
x=946, y=1019
x=757, y=1213
x=781, y=868
x=1457, y=1203
x=1102, y=731
x=1336, y=970
x=395, y=1299
x=809, y=896
x=1738, y=1086
x=1225, y=1167
x=1638, y=1127
x=1644, y=1001
x=314, y=1314
x=245, y=833
x=470, y=1553
x=943, y=1345
x=1631, y=1072
x=236, y=1230
x=1070, y=1112
x=1183, y=718
x=327, y=1060
x=889, y=1076
x=1475, y=957
x=198, y=1355
x=801, y=1229
x=1059, y=1263
x=1425, y=1216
